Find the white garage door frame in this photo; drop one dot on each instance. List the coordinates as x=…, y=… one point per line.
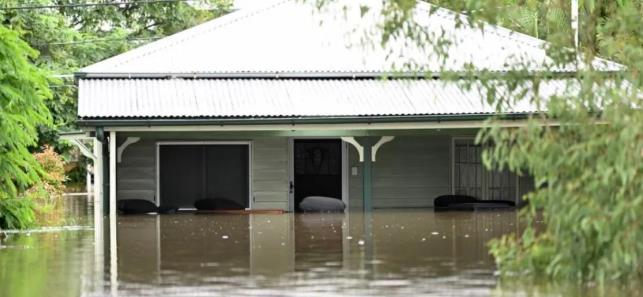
x=198, y=143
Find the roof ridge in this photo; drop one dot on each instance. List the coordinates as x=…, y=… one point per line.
x=172, y=55
x=189, y=33
x=499, y=30
x=449, y=15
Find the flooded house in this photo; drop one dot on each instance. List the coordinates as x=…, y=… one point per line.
x=266, y=107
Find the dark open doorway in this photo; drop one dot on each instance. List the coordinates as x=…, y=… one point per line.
x=317, y=169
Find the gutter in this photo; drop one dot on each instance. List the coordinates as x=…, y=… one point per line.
x=116, y=122
x=324, y=75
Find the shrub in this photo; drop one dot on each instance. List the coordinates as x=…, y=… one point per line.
x=53, y=181
x=47, y=193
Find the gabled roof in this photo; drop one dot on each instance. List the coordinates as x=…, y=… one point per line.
x=291, y=38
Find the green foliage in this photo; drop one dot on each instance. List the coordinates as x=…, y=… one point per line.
x=585, y=146
x=585, y=152
x=589, y=173
x=69, y=38
x=16, y=213
x=23, y=90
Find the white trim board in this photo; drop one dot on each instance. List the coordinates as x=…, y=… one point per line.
x=168, y=143
x=326, y=127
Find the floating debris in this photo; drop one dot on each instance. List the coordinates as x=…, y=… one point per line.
x=435, y=233
x=360, y=242
x=225, y=236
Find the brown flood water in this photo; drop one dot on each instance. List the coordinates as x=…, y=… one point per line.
x=386, y=253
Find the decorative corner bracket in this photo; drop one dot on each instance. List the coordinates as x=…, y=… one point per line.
x=83, y=149
x=124, y=145
x=379, y=144
x=358, y=147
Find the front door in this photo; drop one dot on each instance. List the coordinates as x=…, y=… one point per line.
x=317, y=169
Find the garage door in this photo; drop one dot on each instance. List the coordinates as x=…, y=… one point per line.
x=188, y=173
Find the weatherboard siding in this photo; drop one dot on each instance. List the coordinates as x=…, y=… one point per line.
x=409, y=172
x=136, y=174
x=270, y=173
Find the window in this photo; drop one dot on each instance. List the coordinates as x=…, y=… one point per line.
x=471, y=178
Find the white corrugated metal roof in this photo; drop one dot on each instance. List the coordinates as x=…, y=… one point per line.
x=258, y=98
x=294, y=37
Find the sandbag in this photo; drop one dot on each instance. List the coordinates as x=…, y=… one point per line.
x=136, y=206
x=217, y=204
x=464, y=202
x=446, y=200
x=323, y=204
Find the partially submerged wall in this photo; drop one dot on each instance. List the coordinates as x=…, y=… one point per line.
x=409, y=172
x=136, y=174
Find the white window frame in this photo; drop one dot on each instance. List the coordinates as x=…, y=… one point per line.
x=485, y=182
x=195, y=143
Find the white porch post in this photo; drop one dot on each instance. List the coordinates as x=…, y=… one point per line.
x=88, y=180
x=112, y=178
x=98, y=184
x=99, y=231
x=112, y=214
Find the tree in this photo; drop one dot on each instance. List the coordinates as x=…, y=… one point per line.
x=23, y=91
x=69, y=37
x=584, y=147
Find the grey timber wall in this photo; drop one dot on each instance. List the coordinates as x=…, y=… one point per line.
x=270, y=173
x=136, y=174
x=409, y=172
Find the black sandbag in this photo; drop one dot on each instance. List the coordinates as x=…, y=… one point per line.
x=136, y=206
x=446, y=200
x=505, y=203
x=217, y=204
x=464, y=202
x=321, y=204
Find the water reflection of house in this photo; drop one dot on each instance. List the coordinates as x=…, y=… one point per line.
x=265, y=107
x=215, y=248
